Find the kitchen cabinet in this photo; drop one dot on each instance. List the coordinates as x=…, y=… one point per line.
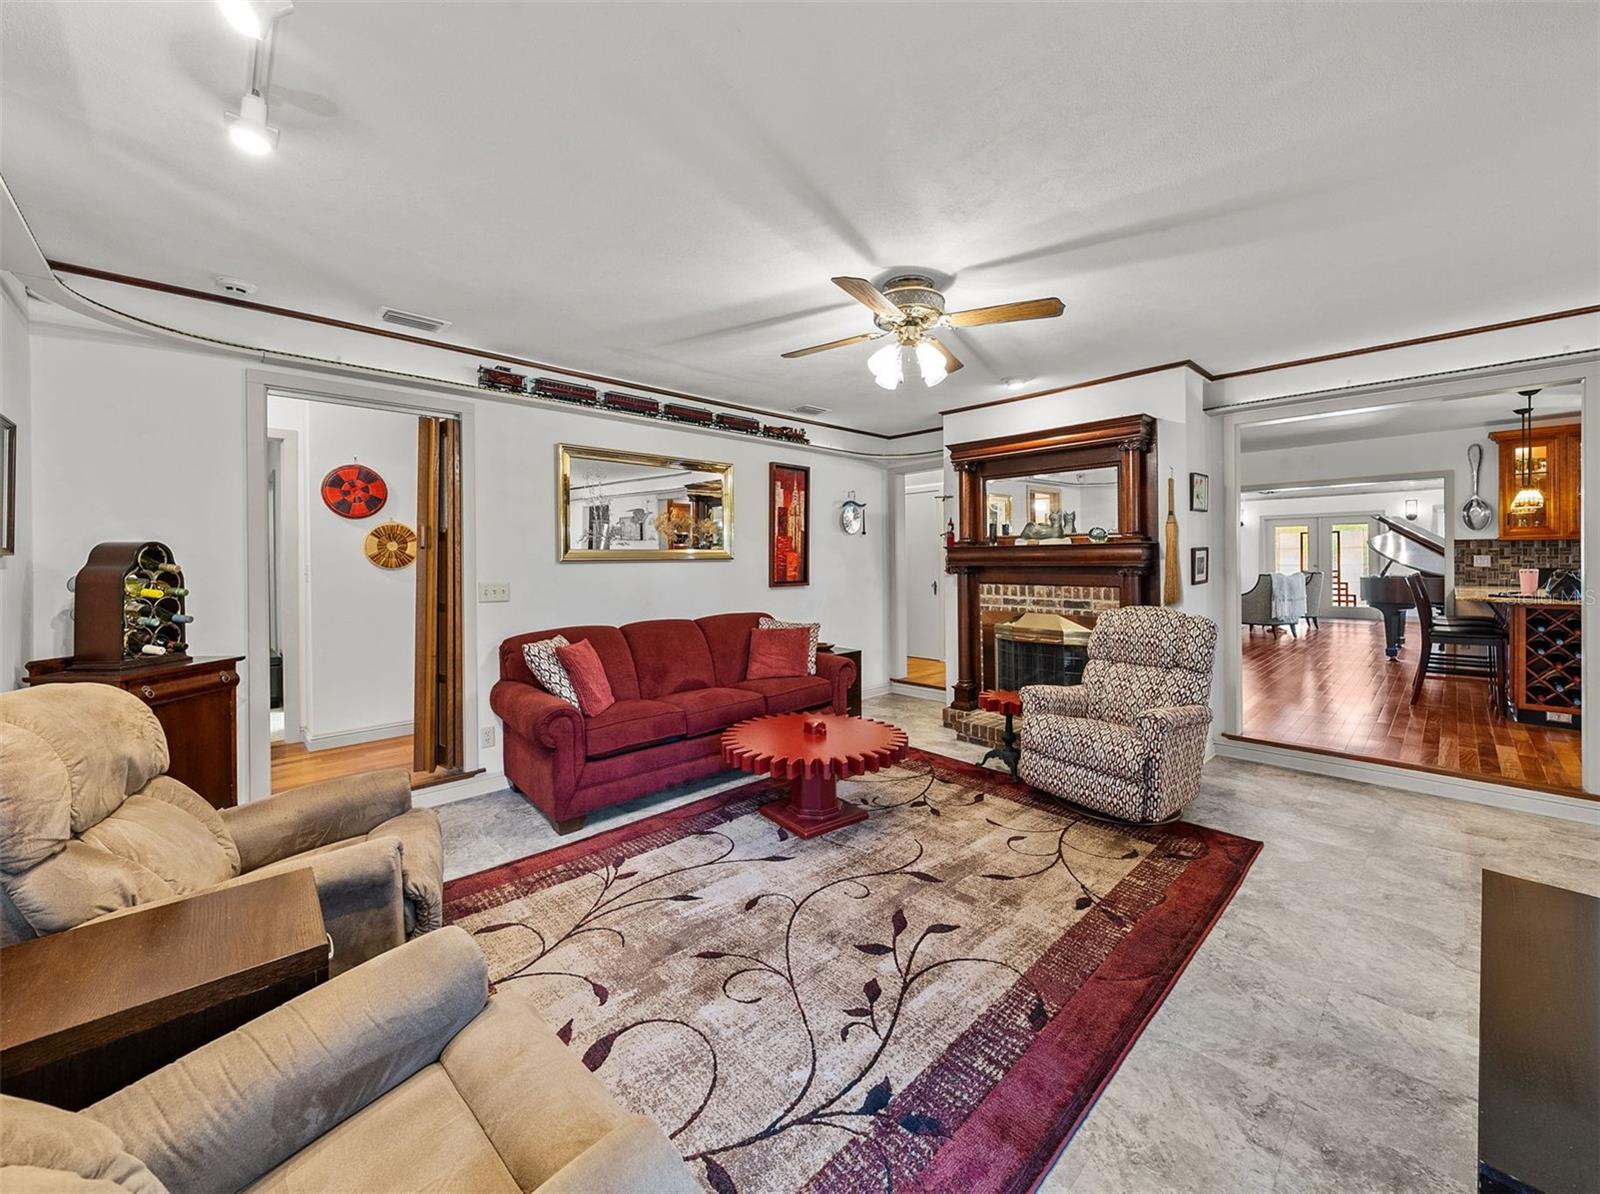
x=1556, y=470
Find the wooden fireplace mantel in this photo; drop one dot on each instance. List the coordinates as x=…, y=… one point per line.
x=1127, y=562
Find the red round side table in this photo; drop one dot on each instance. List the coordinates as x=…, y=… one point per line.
x=782, y=745
x=1003, y=700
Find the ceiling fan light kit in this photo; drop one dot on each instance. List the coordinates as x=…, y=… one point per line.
x=909, y=307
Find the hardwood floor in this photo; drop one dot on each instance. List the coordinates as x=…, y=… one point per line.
x=293, y=766
x=1332, y=689
x=925, y=673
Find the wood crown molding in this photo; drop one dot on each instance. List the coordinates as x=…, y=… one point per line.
x=467, y=350
x=482, y=354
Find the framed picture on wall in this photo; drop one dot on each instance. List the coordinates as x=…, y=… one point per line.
x=1199, y=565
x=788, y=525
x=1199, y=492
x=8, y=487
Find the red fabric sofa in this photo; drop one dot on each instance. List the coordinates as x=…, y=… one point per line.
x=678, y=684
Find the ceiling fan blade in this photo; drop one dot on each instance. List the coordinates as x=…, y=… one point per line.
x=1047, y=308
x=951, y=361
x=870, y=297
x=805, y=352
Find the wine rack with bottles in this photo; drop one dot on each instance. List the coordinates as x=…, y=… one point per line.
x=130, y=606
x=1547, y=660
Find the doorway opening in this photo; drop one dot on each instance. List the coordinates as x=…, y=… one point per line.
x=1375, y=616
x=924, y=590
x=363, y=603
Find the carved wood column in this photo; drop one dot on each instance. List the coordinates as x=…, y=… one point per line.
x=969, y=667
x=972, y=525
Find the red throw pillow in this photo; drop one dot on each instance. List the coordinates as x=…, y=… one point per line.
x=775, y=654
x=588, y=677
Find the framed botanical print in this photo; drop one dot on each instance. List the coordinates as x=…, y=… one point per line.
x=8, y=487
x=1199, y=492
x=788, y=525
x=1199, y=565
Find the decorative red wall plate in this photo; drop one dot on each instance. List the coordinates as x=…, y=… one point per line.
x=354, y=491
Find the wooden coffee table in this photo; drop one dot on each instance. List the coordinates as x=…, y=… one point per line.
x=782, y=746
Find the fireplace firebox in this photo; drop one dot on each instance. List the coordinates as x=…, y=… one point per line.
x=1038, y=648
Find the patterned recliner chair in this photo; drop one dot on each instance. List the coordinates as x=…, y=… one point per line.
x=1129, y=741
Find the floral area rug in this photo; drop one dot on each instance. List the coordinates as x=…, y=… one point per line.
x=930, y=999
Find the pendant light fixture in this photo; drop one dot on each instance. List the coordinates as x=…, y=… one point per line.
x=1529, y=499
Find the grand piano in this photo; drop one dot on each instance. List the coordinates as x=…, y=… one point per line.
x=1415, y=550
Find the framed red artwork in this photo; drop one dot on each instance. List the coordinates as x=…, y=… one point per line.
x=788, y=525
x=354, y=491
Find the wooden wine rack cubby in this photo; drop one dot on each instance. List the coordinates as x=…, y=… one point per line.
x=127, y=596
x=1547, y=659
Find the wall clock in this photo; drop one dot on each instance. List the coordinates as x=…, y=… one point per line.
x=853, y=517
x=391, y=545
x=354, y=491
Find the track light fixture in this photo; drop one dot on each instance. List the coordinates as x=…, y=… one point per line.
x=256, y=19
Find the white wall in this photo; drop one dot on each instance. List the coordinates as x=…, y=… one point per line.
x=158, y=452
x=16, y=593
x=358, y=621
x=1255, y=552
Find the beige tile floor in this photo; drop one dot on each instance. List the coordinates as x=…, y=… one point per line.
x=1325, y=1036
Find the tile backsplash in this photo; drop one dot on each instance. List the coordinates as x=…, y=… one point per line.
x=1508, y=555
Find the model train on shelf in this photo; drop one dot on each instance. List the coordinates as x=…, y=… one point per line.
x=508, y=381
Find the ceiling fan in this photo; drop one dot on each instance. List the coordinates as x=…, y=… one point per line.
x=908, y=308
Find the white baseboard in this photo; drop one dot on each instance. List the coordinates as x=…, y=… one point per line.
x=355, y=737
x=868, y=691
x=920, y=693
x=1451, y=787
x=461, y=789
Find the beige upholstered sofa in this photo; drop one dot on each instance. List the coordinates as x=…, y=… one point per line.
x=1129, y=741
x=401, y=1075
x=89, y=826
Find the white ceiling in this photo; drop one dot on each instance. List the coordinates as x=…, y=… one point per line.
x=661, y=192
x=1490, y=412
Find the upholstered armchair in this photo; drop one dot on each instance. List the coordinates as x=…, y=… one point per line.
x=1313, y=599
x=1262, y=607
x=404, y=1074
x=1129, y=741
x=90, y=826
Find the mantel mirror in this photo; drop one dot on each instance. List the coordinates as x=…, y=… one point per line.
x=1046, y=508
x=637, y=506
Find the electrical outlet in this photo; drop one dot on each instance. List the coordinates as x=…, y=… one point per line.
x=494, y=590
x=486, y=736
x=1482, y=561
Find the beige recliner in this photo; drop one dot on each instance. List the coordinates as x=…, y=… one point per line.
x=401, y=1075
x=90, y=826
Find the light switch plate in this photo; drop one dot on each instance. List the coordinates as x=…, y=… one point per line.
x=494, y=590
x=1481, y=561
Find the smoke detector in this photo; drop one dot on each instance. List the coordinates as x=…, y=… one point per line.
x=410, y=319
x=234, y=286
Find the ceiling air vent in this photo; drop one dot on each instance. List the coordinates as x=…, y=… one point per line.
x=808, y=409
x=409, y=319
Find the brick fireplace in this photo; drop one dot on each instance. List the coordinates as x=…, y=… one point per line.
x=1039, y=653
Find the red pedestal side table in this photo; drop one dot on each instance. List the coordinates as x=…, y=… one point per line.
x=1003, y=700
x=813, y=751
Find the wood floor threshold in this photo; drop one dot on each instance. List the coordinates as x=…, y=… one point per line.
x=433, y=779
x=1501, y=780
x=916, y=683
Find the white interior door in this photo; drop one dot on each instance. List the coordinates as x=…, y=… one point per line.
x=925, y=578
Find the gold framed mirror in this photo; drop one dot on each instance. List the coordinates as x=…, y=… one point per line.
x=637, y=506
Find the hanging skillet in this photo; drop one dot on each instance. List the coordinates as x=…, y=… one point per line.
x=1477, y=513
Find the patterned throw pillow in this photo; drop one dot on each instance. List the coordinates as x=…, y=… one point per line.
x=548, y=670
x=811, y=646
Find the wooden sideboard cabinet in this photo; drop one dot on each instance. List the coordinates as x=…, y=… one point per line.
x=1557, y=470
x=194, y=701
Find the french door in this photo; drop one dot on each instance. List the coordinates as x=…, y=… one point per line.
x=1336, y=545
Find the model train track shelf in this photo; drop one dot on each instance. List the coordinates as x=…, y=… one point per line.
x=130, y=604
x=508, y=381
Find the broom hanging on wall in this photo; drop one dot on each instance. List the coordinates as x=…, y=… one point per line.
x=1170, y=586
